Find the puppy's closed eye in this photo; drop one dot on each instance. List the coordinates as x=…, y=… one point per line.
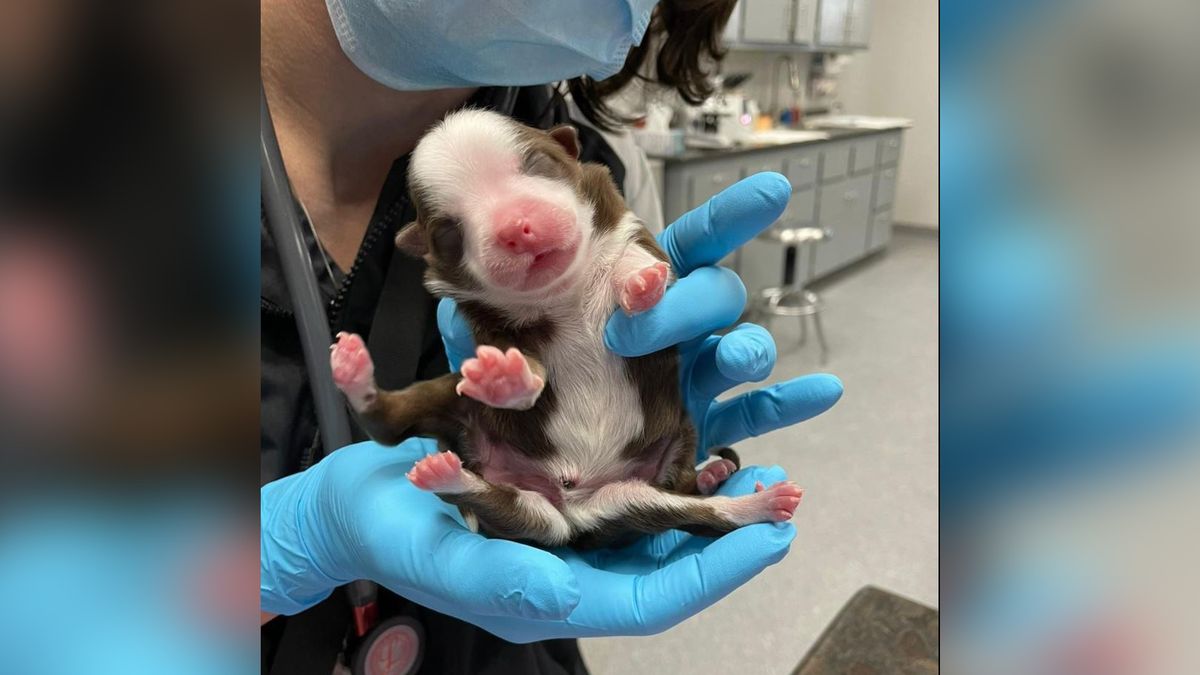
x=446, y=240
x=540, y=164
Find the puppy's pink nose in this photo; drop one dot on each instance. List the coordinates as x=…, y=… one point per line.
x=530, y=226
x=518, y=236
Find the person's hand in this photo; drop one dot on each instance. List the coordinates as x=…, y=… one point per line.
x=706, y=298
x=354, y=515
x=658, y=581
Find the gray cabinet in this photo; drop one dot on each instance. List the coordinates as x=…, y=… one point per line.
x=885, y=188
x=801, y=24
x=767, y=21
x=831, y=22
x=763, y=162
x=835, y=161
x=802, y=168
x=889, y=153
x=843, y=24
x=846, y=186
x=858, y=23
x=863, y=155
x=804, y=22
x=844, y=209
x=881, y=231
x=885, y=192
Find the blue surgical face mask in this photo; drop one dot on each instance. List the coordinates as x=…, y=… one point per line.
x=432, y=44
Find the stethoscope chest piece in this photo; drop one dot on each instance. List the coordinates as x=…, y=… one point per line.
x=394, y=647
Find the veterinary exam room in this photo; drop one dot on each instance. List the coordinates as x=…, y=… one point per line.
x=620, y=334
x=593, y=336
x=599, y=336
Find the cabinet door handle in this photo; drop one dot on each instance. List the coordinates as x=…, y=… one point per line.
x=893, y=143
x=890, y=173
x=718, y=178
x=851, y=195
x=806, y=161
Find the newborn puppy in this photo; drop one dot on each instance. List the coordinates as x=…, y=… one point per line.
x=547, y=435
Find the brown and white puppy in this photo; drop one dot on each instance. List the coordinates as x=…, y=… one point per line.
x=547, y=435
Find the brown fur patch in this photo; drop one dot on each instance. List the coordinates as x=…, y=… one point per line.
x=429, y=408
x=500, y=513
x=597, y=187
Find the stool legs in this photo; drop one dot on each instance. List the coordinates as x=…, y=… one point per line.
x=820, y=338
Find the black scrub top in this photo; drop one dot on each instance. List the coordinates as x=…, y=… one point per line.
x=382, y=298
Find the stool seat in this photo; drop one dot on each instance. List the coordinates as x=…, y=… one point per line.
x=795, y=236
x=797, y=299
x=788, y=301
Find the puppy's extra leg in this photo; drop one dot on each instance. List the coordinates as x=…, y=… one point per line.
x=708, y=478
x=639, y=506
x=502, y=510
x=641, y=275
x=391, y=416
x=716, y=472
x=508, y=380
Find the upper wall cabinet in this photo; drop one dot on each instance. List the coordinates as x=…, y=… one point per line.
x=767, y=21
x=844, y=24
x=799, y=24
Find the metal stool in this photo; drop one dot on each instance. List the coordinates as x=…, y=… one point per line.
x=797, y=299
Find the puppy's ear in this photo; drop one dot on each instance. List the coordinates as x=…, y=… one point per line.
x=567, y=137
x=411, y=240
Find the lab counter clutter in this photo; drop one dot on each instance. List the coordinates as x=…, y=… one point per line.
x=843, y=181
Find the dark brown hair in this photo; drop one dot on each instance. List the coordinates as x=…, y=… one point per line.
x=684, y=36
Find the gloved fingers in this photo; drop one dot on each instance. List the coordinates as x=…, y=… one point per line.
x=740, y=483
x=456, y=334
x=719, y=226
x=771, y=408
x=744, y=354
x=708, y=299
x=689, y=584
x=496, y=577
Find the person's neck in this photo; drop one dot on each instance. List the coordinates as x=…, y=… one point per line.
x=339, y=131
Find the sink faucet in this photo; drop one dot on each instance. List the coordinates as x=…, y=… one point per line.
x=795, y=81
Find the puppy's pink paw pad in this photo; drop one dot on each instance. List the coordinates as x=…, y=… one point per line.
x=441, y=472
x=713, y=475
x=780, y=500
x=500, y=379
x=644, y=288
x=353, y=371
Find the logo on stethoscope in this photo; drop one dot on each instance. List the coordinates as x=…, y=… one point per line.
x=393, y=648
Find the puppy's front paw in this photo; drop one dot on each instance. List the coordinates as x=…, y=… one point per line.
x=500, y=379
x=644, y=288
x=353, y=371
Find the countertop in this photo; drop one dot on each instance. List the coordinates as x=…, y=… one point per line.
x=835, y=134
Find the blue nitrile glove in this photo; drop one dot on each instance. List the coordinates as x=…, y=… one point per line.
x=354, y=515
x=658, y=581
x=706, y=298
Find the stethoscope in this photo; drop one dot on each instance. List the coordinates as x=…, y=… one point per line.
x=393, y=647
